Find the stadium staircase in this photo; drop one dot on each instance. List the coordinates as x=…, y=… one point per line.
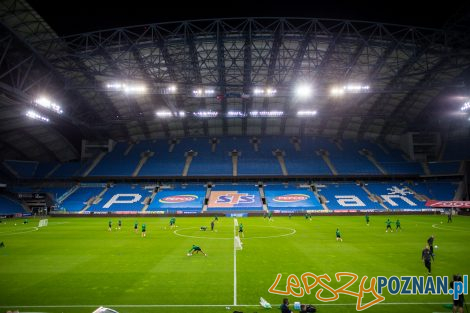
x=53, y=170
x=144, y=156
x=425, y=167
x=149, y=199
x=280, y=158
x=418, y=196
x=366, y=153
x=189, y=158
x=263, y=197
x=206, y=198
x=373, y=197
x=128, y=149
x=325, y=156
x=95, y=200
x=94, y=164
x=8, y=167
x=234, y=155
x=320, y=198
x=68, y=193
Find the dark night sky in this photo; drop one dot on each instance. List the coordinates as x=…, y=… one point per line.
x=71, y=17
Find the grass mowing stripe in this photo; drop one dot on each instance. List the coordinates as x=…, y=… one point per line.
x=200, y=305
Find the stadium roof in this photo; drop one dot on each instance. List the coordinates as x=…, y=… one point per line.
x=417, y=79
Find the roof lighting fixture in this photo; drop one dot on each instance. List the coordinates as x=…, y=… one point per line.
x=266, y=113
x=171, y=89
x=36, y=116
x=235, y=114
x=306, y=113
x=205, y=114
x=181, y=114
x=127, y=88
x=163, y=114
x=356, y=88
x=48, y=104
x=303, y=91
x=336, y=91
x=465, y=106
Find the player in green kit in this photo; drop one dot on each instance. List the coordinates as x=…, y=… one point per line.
x=338, y=235
x=270, y=215
x=367, y=219
x=144, y=230
x=240, y=230
x=172, y=222
x=110, y=225
x=136, y=226
x=195, y=249
x=388, y=222
x=119, y=224
x=398, y=225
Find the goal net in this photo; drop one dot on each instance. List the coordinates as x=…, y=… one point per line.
x=43, y=222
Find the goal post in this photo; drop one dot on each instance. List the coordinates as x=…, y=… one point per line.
x=43, y=222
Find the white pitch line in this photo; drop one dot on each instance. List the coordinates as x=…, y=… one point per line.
x=235, y=222
x=200, y=305
x=451, y=229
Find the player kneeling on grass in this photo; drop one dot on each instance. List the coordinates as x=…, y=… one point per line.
x=338, y=235
x=195, y=249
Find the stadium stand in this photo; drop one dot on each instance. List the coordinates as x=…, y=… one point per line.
x=23, y=169
x=290, y=198
x=179, y=199
x=306, y=160
x=67, y=170
x=78, y=200
x=438, y=168
x=346, y=197
x=164, y=162
x=243, y=197
x=121, y=197
x=396, y=196
x=261, y=162
x=436, y=190
x=9, y=206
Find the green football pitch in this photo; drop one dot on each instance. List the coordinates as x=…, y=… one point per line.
x=77, y=264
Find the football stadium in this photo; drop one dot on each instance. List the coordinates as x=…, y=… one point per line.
x=234, y=165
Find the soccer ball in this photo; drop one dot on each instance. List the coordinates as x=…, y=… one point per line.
x=189, y=254
x=227, y=307
x=441, y=222
x=435, y=247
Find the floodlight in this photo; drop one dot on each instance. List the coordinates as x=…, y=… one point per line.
x=181, y=114
x=266, y=113
x=235, y=114
x=336, y=91
x=205, y=113
x=306, y=113
x=303, y=91
x=258, y=91
x=164, y=114
x=48, y=104
x=134, y=89
x=36, y=116
x=465, y=106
